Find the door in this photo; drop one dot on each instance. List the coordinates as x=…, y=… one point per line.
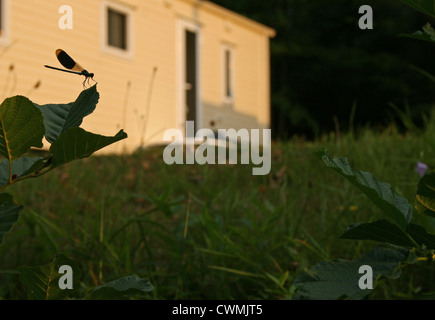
x=190, y=81
x=188, y=78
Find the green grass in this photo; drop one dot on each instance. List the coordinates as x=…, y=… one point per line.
x=213, y=231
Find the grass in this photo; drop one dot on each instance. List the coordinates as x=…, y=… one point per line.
x=211, y=232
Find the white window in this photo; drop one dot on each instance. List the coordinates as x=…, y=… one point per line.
x=117, y=29
x=4, y=22
x=228, y=73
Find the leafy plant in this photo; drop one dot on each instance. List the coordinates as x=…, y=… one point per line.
x=403, y=239
x=124, y=287
x=403, y=242
x=426, y=7
x=23, y=125
x=42, y=281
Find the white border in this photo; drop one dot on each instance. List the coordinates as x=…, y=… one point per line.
x=227, y=47
x=4, y=38
x=128, y=11
x=182, y=26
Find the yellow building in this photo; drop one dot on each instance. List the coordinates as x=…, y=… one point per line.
x=158, y=63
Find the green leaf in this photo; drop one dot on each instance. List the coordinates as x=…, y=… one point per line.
x=421, y=236
x=8, y=213
x=385, y=231
x=38, y=165
x=21, y=127
x=59, y=117
x=338, y=279
x=396, y=208
x=120, y=288
x=43, y=281
x=20, y=167
x=381, y=230
x=76, y=143
x=425, y=6
x=418, y=35
x=425, y=197
x=428, y=34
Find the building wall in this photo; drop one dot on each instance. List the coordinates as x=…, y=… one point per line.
x=127, y=84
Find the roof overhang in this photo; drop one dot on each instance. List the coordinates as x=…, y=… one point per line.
x=232, y=16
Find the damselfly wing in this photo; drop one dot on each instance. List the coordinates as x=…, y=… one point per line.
x=70, y=64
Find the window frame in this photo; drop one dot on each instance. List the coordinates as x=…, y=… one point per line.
x=128, y=12
x=228, y=81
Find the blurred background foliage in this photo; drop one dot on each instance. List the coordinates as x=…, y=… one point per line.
x=329, y=75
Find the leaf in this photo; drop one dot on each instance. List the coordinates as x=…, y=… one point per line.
x=421, y=236
x=384, y=231
x=76, y=143
x=381, y=230
x=425, y=197
x=21, y=127
x=428, y=34
x=43, y=281
x=425, y=6
x=20, y=167
x=59, y=117
x=120, y=288
x=8, y=213
x=418, y=35
x=394, y=206
x=38, y=165
x=330, y=280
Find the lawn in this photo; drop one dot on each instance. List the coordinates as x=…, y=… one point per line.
x=212, y=231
